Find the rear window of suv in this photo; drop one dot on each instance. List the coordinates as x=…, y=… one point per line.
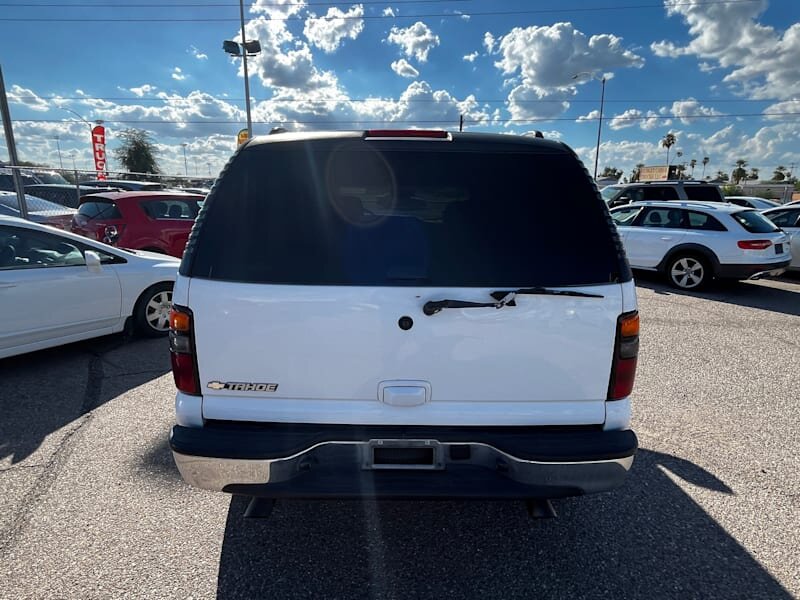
x=361, y=214
x=703, y=193
x=754, y=222
x=99, y=210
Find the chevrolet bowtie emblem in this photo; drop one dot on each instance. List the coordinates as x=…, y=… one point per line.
x=242, y=386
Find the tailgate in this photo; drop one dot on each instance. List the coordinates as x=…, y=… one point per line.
x=331, y=350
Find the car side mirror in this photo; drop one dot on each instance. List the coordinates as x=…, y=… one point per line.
x=93, y=262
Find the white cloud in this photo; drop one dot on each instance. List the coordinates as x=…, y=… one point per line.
x=143, y=89
x=416, y=40
x=471, y=57
x=626, y=119
x=592, y=116
x=790, y=106
x=689, y=107
x=489, y=42
x=21, y=95
x=389, y=12
x=278, y=9
x=177, y=74
x=634, y=117
x=328, y=32
x=403, y=68
x=464, y=16
x=530, y=103
x=548, y=57
x=762, y=61
x=194, y=51
x=286, y=62
x=545, y=59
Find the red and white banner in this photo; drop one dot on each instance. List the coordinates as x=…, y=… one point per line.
x=99, y=151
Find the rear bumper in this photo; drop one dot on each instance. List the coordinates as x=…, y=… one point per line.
x=749, y=271
x=302, y=461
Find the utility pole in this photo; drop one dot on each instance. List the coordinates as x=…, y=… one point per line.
x=185, y=164
x=461, y=122
x=599, y=127
x=12, y=149
x=246, y=77
x=58, y=145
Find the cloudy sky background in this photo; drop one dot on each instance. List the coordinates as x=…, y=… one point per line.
x=723, y=76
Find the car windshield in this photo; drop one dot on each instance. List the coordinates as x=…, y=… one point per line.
x=50, y=177
x=609, y=192
x=754, y=222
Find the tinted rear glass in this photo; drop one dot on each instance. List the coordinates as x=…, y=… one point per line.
x=704, y=193
x=99, y=210
x=294, y=214
x=754, y=222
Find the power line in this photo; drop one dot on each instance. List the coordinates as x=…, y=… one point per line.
x=410, y=100
x=374, y=17
x=214, y=4
x=376, y=121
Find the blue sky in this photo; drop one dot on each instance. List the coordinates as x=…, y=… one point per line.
x=697, y=68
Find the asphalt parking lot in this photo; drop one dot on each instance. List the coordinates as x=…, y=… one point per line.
x=92, y=506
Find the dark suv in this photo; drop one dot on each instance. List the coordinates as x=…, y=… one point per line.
x=661, y=191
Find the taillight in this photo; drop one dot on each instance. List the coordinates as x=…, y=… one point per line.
x=181, y=350
x=110, y=234
x=626, y=352
x=754, y=244
x=407, y=133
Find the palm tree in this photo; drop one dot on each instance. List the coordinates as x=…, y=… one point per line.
x=739, y=172
x=693, y=164
x=706, y=160
x=668, y=141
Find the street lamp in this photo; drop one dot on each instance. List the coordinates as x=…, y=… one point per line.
x=89, y=125
x=250, y=48
x=58, y=146
x=185, y=164
x=600, y=122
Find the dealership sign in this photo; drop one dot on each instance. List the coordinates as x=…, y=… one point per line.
x=99, y=151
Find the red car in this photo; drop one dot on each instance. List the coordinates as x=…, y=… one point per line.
x=154, y=221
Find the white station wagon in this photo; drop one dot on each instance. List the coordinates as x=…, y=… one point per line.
x=692, y=243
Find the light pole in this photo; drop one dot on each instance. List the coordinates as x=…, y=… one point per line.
x=600, y=121
x=58, y=146
x=185, y=164
x=91, y=129
x=209, y=169
x=250, y=48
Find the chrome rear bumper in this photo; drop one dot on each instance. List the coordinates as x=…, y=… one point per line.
x=354, y=460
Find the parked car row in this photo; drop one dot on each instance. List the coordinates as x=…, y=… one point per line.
x=100, y=289
x=692, y=243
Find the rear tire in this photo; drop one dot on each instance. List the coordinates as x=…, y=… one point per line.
x=151, y=313
x=688, y=272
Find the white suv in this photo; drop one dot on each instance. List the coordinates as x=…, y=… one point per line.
x=692, y=243
x=397, y=314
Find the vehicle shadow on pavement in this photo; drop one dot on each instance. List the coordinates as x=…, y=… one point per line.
x=646, y=540
x=43, y=392
x=740, y=293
